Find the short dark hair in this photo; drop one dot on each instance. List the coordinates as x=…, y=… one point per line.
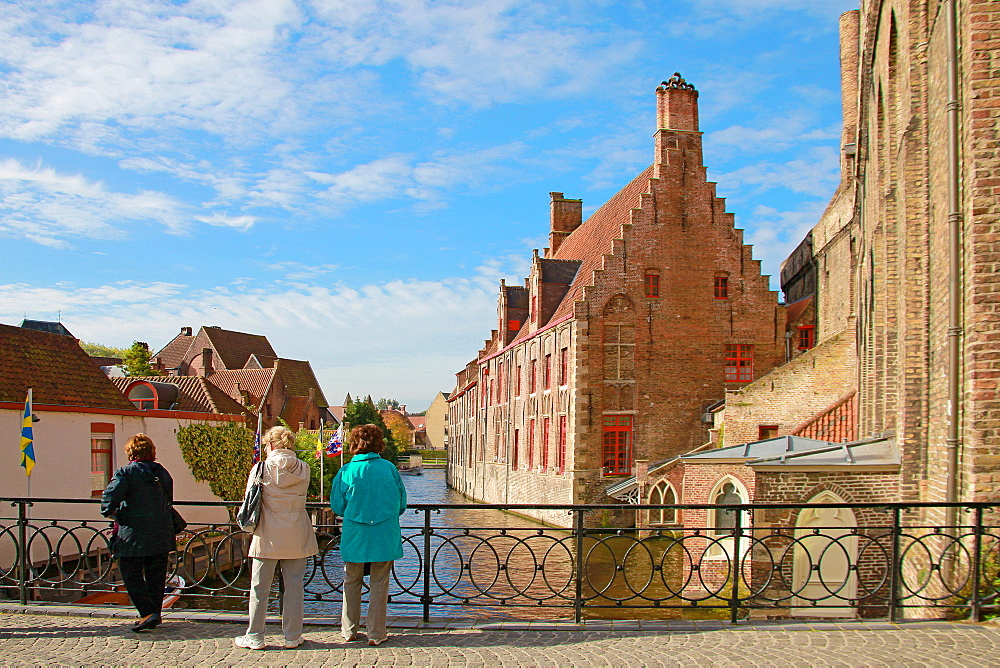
x=367, y=438
x=140, y=446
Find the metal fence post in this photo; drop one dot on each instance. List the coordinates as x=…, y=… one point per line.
x=22, y=562
x=734, y=597
x=426, y=598
x=975, y=613
x=578, y=594
x=895, y=566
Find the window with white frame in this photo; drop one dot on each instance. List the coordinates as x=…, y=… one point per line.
x=662, y=493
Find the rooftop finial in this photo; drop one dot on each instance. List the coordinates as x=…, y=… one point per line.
x=676, y=81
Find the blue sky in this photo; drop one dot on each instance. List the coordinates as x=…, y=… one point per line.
x=353, y=178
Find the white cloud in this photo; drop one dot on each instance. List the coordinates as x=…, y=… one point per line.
x=777, y=134
x=816, y=175
x=241, y=223
x=48, y=207
x=423, y=331
x=774, y=234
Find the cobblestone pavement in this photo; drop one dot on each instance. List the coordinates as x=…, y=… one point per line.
x=74, y=640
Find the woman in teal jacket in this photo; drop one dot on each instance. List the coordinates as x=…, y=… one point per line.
x=369, y=494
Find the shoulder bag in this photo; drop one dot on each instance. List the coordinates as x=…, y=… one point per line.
x=249, y=513
x=178, y=522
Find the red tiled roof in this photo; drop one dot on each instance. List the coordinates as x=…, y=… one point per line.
x=172, y=354
x=298, y=377
x=419, y=422
x=589, y=243
x=837, y=424
x=57, y=369
x=294, y=411
x=255, y=382
x=593, y=239
x=235, y=348
x=795, y=310
x=195, y=394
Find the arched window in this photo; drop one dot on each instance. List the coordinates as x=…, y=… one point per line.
x=142, y=397
x=722, y=521
x=662, y=493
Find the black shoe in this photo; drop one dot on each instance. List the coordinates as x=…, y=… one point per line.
x=146, y=623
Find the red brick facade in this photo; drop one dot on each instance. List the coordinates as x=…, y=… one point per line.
x=654, y=307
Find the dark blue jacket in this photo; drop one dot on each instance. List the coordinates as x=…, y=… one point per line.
x=138, y=497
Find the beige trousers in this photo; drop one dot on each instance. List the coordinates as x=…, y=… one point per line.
x=378, y=596
x=292, y=602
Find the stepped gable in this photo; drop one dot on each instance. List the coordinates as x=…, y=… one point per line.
x=299, y=379
x=195, y=394
x=235, y=348
x=593, y=239
x=255, y=382
x=57, y=369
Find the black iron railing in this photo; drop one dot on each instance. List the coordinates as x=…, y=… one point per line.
x=838, y=560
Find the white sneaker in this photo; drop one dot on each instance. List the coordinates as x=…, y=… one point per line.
x=246, y=642
x=292, y=644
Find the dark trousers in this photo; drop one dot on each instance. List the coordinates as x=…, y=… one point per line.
x=145, y=578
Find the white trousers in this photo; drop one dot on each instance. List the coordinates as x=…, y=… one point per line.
x=293, y=573
x=378, y=596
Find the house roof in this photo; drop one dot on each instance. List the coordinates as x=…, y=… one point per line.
x=781, y=445
x=793, y=452
x=795, y=310
x=337, y=412
x=172, y=354
x=419, y=422
x=587, y=245
x=46, y=326
x=294, y=411
x=838, y=422
x=298, y=377
x=57, y=369
x=255, y=382
x=235, y=348
x=878, y=452
x=195, y=393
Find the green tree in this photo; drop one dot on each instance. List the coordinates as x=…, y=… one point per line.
x=384, y=404
x=305, y=447
x=362, y=412
x=221, y=456
x=135, y=361
x=101, y=350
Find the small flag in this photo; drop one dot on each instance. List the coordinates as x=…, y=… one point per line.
x=256, y=439
x=27, y=439
x=319, y=442
x=336, y=444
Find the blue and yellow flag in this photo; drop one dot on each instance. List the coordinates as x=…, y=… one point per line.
x=27, y=440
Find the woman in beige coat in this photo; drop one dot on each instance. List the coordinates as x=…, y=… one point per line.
x=284, y=535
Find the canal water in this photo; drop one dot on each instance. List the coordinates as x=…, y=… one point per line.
x=483, y=561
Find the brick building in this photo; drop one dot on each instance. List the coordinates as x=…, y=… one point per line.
x=246, y=368
x=901, y=270
x=628, y=327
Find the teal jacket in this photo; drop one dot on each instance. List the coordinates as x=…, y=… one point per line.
x=369, y=494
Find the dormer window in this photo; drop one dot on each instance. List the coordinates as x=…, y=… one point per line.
x=142, y=397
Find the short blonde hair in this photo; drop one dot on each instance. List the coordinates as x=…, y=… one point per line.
x=140, y=446
x=280, y=437
x=367, y=438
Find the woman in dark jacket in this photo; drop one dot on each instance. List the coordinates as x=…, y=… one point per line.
x=139, y=497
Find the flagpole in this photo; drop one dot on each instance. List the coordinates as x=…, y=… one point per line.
x=321, y=456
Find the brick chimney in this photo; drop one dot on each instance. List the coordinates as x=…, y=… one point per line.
x=565, y=215
x=676, y=105
x=206, y=362
x=185, y=331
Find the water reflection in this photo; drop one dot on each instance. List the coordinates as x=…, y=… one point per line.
x=506, y=560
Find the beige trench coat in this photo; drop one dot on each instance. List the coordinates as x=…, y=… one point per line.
x=284, y=530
